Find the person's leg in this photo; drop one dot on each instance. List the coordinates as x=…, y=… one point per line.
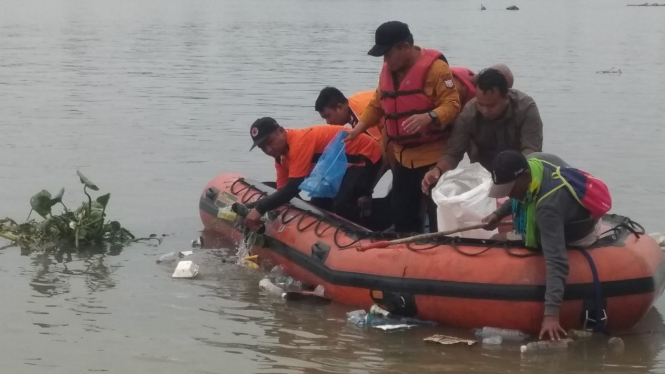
x=406, y=200
x=324, y=203
x=358, y=182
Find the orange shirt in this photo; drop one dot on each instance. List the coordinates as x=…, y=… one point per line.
x=358, y=102
x=306, y=146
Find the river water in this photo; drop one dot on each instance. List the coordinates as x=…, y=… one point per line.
x=152, y=99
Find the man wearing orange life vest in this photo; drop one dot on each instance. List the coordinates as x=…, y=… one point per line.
x=418, y=100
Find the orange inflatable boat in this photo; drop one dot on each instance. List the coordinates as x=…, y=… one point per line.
x=467, y=283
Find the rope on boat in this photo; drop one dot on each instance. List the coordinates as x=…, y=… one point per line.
x=323, y=225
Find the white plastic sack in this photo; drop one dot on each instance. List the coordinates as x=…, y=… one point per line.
x=461, y=199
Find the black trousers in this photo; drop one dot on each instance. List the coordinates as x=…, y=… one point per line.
x=358, y=182
x=408, y=203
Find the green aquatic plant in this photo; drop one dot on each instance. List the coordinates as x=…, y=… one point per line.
x=84, y=226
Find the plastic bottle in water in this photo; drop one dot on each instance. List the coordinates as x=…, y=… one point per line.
x=545, y=345
x=271, y=289
x=493, y=340
x=378, y=320
x=357, y=317
x=579, y=334
x=375, y=309
x=170, y=257
x=227, y=214
x=288, y=283
x=505, y=334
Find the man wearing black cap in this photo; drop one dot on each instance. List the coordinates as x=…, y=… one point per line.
x=418, y=100
x=547, y=215
x=296, y=151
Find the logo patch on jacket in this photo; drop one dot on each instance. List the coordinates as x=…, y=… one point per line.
x=449, y=83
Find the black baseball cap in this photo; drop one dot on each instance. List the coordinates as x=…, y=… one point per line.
x=387, y=35
x=507, y=166
x=261, y=130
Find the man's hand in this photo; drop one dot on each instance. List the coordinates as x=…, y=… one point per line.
x=253, y=220
x=365, y=204
x=491, y=222
x=430, y=179
x=351, y=135
x=416, y=122
x=552, y=328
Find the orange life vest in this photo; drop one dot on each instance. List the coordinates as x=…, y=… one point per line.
x=407, y=100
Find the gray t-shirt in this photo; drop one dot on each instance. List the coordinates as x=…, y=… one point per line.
x=560, y=220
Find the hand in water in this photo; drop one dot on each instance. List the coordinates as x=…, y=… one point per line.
x=253, y=220
x=552, y=328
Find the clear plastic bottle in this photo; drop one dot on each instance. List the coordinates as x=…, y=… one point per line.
x=227, y=214
x=170, y=257
x=579, y=334
x=375, y=309
x=271, y=289
x=357, y=317
x=545, y=345
x=505, y=334
x=493, y=340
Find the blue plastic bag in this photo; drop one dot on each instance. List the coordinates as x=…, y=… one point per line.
x=326, y=178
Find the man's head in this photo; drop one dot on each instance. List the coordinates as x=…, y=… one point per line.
x=491, y=93
x=393, y=41
x=268, y=135
x=511, y=176
x=333, y=106
x=505, y=70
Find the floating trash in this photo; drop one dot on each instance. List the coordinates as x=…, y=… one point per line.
x=449, y=340
x=186, y=269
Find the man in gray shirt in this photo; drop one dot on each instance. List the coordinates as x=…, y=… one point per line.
x=498, y=119
x=560, y=220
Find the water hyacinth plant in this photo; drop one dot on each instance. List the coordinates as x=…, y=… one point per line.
x=84, y=226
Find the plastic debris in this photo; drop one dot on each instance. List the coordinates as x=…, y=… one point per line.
x=375, y=309
x=659, y=238
x=357, y=317
x=616, y=345
x=579, y=334
x=505, y=334
x=318, y=293
x=415, y=321
x=197, y=243
x=186, y=269
x=288, y=283
x=546, y=345
x=398, y=326
x=493, y=340
x=251, y=261
x=172, y=257
x=448, y=340
x=270, y=288
x=227, y=214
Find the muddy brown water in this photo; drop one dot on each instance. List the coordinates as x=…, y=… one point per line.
x=152, y=99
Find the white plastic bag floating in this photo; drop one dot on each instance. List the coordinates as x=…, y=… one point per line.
x=461, y=199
